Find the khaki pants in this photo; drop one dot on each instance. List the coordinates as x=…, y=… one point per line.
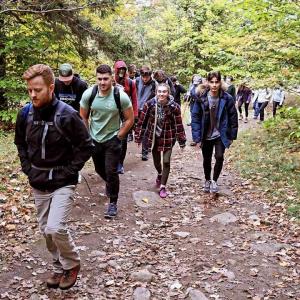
x=53, y=210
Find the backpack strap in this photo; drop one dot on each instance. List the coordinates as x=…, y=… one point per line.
x=92, y=97
x=27, y=114
x=118, y=102
x=57, y=119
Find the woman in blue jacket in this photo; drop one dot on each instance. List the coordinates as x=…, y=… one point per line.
x=214, y=126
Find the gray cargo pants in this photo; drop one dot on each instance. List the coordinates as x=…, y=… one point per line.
x=53, y=211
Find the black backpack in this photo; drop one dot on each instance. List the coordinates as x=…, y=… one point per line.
x=116, y=97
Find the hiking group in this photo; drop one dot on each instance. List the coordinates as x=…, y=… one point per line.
x=66, y=123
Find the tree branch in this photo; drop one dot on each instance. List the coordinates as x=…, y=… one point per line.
x=31, y=11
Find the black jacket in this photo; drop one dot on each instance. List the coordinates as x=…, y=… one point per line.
x=72, y=93
x=64, y=157
x=179, y=89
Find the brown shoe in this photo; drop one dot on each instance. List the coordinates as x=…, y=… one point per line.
x=69, y=278
x=54, y=280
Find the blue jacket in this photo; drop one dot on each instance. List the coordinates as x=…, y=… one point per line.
x=227, y=119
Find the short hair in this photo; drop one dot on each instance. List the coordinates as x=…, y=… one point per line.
x=40, y=70
x=164, y=85
x=145, y=69
x=159, y=73
x=102, y=69
x=131, y=67
x=173, y=78
x=214, y=74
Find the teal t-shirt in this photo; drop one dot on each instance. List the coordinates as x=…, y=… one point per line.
x=104, y=118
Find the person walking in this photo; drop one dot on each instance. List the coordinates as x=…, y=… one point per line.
x=68, y=87
x=121, y=78
x=277, y=98
x=261, y=98
x=179, y=89
x=214, y=127
x=244, y=98
x=145, y=86
x=230, y=87
x=104, y=105
x=51, y=154
x=163, y=127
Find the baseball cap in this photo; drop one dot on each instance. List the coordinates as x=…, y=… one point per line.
x=65, y=72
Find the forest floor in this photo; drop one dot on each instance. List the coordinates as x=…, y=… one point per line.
x=191, y=245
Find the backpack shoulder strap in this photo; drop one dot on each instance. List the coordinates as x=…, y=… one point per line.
x=57, y=119
x=27, y=114
x=118, y=102
x=93, y=95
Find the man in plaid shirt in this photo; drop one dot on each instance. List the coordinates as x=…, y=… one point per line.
x=160, y=121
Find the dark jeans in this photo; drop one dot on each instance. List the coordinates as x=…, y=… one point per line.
x=275, y=104
x=144, y=140
x=240, y=104
x=165, y=170
x=123, y=150
x=207, y=152
x=106, y=158
x=262, y=107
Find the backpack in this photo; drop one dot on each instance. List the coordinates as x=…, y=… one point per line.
x=116, y=97
x=27, y=114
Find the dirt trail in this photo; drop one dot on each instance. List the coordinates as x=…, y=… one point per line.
x=234, y=246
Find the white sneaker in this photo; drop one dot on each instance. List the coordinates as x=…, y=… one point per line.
x=214, y=187
x=206, y=187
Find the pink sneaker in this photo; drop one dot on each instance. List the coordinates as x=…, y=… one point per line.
x=163, y=193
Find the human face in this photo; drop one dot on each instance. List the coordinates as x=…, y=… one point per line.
x=39, y=92
x=214, y=86
x=162, y=93
x=132, y=73
x=121, y=72
x=104, y=82
x=146, y=78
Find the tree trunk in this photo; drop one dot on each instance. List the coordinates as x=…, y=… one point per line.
x=3, y=100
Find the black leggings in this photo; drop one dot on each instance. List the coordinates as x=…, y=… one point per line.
x=240, y=104
x=207, y=152
x=165, y=170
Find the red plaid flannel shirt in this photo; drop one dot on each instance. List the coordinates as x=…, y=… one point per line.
x=172, y=128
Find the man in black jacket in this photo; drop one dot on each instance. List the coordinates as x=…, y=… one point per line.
x=179, y=89
x=53, y=145
x=68, y=87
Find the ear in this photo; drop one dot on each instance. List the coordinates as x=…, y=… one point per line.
x=51, y=88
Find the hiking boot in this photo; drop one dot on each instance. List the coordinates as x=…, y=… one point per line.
x=144, y=157
x=54, y=280
x=69, y=278
x=246, y=120
x=206, y=187
x=193, y=144
x=112, y=211
x=163, y=192
x=214, y=187
x=120, y=169
x=158, y=181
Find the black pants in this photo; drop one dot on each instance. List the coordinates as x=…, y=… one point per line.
x=275, y=104
x=106, y=158
x=207, y=152
x=262, y=107
x=144, y=139
x=165, y=169
x=240, y=104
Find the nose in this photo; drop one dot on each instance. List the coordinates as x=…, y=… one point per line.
x=32, y=94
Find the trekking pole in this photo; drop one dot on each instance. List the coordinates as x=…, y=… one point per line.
x=87, y=184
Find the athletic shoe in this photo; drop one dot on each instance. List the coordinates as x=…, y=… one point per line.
x=206, y=187
x=241, y=117
x=54, y=280
x=246, y=120
x=188, y=124
x=130, y=137
x=193, y=144
x=144, y=157
x=112, y=211
x=69, y=278
x=214, y=187
x=163, y=193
